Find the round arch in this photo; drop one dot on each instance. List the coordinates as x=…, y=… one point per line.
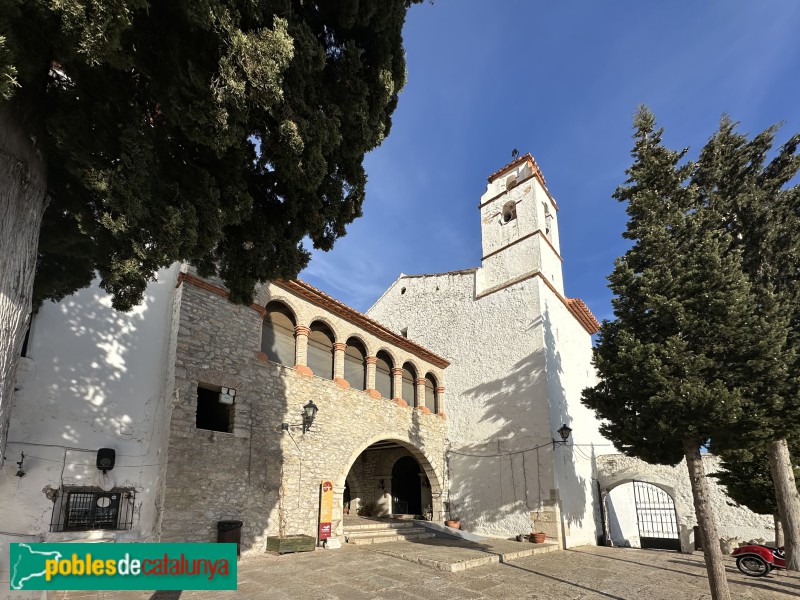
x=423, y=459
x=390, y=352
x=286, y=301
x=321, y=318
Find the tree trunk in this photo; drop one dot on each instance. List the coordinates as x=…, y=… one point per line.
x=707, y=522
x=23, y=186
x=778, y=530
x=788, y=499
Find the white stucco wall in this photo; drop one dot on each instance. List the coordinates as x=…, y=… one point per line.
x=519, y=362
x=497, y=417
x=95, y=378
x=569, y=370
x=732, y=520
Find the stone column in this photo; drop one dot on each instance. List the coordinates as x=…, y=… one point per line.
x=301, y=350
x=440, y=400
x=338, y=364
x=397, y=377
x=371, y=362
x=421, y=400
x=337, y=527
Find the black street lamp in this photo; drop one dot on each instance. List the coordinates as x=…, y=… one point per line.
x=309, y=413
x=563, y=432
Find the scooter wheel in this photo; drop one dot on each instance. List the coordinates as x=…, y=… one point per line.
x=753, y=565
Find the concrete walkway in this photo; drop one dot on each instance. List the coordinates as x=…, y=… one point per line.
x=587, y=573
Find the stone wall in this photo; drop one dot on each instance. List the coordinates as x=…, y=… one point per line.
x=733, y=520
x=259, y=474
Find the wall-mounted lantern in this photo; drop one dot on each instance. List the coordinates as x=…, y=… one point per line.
x=308, y=415
x=563, y=433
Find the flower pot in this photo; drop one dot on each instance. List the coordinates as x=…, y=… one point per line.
x=454, y=523
x=538, y=538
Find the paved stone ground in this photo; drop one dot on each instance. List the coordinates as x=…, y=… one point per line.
x=587, y=573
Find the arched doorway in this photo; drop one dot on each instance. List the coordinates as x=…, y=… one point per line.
x=406, y=487
x=642, y=515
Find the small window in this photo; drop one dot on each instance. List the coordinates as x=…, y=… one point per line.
x=548, y=218
x=85, y=509
x=211, y=413
x=509, y=212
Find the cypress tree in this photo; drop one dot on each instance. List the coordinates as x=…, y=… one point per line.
x=762, y=213
x=218, y=132
x=685, y=329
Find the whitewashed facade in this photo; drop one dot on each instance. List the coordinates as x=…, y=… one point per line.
x=91, y=378
x=520, y=355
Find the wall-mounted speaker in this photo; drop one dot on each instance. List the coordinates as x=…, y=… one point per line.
x=105, y=459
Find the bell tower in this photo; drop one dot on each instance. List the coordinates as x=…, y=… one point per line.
x=519, y=228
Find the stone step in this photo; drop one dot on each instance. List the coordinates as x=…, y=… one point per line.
x=382, y=539
x=388, y=531
x=378, y=525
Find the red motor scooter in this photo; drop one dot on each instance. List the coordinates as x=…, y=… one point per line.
x=756, y=560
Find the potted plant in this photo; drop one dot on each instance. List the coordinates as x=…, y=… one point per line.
x=538, y=537
x=453, y=522
x=427, y=513
x=366, y=509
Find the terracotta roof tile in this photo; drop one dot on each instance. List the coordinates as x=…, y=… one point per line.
x=535, y=172
x=320, y=298
x=578, y=308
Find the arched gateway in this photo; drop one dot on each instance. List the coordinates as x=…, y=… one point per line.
x=390, y=477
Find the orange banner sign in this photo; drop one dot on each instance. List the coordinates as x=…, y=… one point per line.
x=325, y=510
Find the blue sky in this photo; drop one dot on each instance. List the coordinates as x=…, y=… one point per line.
x=560, y=80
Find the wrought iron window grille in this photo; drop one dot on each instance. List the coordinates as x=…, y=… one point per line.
x=85, y=509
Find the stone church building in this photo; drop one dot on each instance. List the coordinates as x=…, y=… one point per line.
x=443, y=400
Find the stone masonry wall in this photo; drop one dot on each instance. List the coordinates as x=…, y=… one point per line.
x=259, y=474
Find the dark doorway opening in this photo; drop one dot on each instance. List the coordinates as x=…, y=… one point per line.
x=406, y=487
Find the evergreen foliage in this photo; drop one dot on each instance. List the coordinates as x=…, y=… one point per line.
x=762, y=214
x=221, y=132
x=674, y=363
x=745, y=473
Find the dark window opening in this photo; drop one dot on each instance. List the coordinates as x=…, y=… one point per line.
x=509, y=212
x=84, y=509
x=211, y=413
